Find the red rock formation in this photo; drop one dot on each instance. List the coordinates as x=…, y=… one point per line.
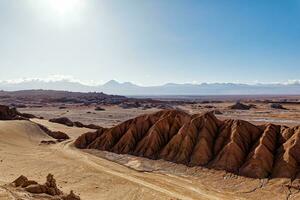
x=287, y=162
x=236, y=146
x=86, y=139
x=242, y=136
x=259, y=162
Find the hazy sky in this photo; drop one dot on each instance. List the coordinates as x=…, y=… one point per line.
x=151, y=42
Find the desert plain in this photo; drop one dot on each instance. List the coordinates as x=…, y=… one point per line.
x=93, y=173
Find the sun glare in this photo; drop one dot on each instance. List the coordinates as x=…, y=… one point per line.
x=63, y=7
x=60, y=12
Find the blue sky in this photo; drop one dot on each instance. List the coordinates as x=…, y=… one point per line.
x=151, y=42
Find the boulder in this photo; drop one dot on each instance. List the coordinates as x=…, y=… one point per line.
x=20, y=181
x=71, y=196
x=99, y=109
x=277, y=106
x=241, y=106
x=36, y=189
x=62, y=120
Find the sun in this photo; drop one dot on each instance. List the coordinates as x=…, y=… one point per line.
x=64, y=7
x=59, y=12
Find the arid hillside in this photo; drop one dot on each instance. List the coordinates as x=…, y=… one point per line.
x=42, y=97
x=237, y=146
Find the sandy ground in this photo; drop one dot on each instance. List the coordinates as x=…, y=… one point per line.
x=90, y=176
x=114, y=115
x=22, y=154
x=102, y=175
x=260, y=115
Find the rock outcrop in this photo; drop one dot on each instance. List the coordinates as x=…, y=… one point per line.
x=98, y=108
x=54, y=134
x=62, y=120
x=236, y=146
x=241, y=106
x=49, y=188
x=277, y=106
x=7, y=113
x=71, y=196
x=66, y=121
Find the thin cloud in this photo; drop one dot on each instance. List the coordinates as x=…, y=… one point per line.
x=52, y=78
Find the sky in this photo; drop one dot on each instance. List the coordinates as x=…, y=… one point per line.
x=151, y=42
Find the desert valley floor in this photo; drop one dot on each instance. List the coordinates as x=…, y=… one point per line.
x=94, y=174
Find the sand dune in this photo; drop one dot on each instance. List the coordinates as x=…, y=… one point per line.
x=21, y=134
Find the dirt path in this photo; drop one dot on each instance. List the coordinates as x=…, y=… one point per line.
x=171, y=186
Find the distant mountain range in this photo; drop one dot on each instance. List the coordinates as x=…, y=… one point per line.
x=127, y=88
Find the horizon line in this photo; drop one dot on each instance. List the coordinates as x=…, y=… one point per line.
x=93, y=83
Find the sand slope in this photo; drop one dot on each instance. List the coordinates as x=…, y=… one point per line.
x=20, y=133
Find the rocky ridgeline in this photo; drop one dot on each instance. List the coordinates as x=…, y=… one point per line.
x=237, y=146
